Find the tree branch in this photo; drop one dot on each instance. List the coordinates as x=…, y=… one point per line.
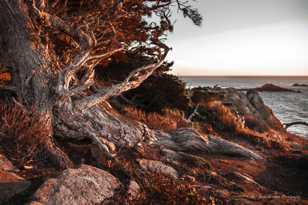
x=86, y=42
x=88, y=79
x=194, y=113
x=134, y=79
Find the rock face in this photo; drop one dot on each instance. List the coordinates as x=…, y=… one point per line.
x=86, y=185
x=158, y=167
x=247, y=108
x=263, y=113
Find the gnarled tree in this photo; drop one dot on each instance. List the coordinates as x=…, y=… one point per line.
x=52, y=48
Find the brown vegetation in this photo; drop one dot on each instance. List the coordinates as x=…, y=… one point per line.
x=225, y=120
x=22, y=134
x=168, y=121
x=159, y=189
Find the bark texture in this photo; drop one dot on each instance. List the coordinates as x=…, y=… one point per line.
x=65, y=107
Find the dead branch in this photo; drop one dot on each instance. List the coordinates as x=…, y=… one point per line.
x=194, y=113
x=134, y=79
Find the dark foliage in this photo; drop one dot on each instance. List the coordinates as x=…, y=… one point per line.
x=159, y=92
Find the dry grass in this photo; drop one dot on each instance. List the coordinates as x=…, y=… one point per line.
x=21, y=133
x=159, y=189
x=155, y=188
x=227, y=120
x=169, y=121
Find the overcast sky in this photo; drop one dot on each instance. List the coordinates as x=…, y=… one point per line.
x=243, y=37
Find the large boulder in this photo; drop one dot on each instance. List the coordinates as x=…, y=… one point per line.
x=86, y=185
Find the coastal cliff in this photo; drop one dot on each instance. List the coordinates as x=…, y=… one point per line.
x=227, y=148
x=89, y=115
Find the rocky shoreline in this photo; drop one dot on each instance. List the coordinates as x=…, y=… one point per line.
x=231, y=149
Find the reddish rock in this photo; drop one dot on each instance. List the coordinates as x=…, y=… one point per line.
x=86, y=185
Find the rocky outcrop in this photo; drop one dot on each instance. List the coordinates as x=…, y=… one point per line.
x=273, y=88
x=233, y=109
x=262, y=112
x=83, y=186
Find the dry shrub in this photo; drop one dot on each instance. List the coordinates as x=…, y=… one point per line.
x=158, y=189
x=21, y=133
x=169, y=121
x=270, y=139
x=223, y=117
x=155, y=188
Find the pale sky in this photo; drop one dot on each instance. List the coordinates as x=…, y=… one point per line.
x=243, y=37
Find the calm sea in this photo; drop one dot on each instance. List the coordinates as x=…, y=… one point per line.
x=288, y=107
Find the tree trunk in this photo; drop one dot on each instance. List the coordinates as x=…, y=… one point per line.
x=32, y=74
x=36, y=82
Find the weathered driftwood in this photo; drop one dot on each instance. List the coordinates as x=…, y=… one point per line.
x=191, y=142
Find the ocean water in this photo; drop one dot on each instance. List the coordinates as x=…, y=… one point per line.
x=287, y=106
